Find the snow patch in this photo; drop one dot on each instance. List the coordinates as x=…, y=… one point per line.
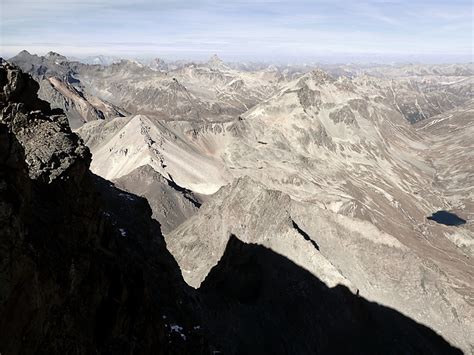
x=175, y=328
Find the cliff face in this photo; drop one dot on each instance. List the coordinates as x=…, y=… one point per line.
x=83, y=267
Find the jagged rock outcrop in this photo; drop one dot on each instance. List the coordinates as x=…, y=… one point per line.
x=60, y=86
x=83, y=267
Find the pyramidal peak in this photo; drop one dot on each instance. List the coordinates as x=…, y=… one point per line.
x=320, y=76
x=54, y=55
x=25, y=55
x=24, y=52
x=216, y=62
x=215, y=59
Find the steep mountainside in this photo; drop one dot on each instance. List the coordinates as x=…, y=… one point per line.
x=347, y=158
x=60, y=86
x=264, y=303
x=170, y=203
x=342, y=154
x=451, y=152
x=319, y=245
x=83, y=267
x=190, y=92
x=124, y=144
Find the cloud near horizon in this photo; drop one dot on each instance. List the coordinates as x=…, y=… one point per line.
x=239, y=29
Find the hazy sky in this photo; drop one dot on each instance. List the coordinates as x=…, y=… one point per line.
x=299, y=30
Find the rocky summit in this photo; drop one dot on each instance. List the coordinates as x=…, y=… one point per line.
x=217, y=208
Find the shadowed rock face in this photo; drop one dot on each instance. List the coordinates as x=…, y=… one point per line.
x=262, y=303
x=84, y=269
x=337, y=249
x=171, y=204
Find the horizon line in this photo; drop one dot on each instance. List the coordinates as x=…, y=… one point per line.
x=326, y=58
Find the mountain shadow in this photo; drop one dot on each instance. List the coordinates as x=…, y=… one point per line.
x=259, y=302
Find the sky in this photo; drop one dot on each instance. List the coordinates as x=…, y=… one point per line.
x=265, y=30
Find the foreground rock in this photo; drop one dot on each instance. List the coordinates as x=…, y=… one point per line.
x=84, y=269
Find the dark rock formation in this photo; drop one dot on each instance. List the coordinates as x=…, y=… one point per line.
x=83, y=267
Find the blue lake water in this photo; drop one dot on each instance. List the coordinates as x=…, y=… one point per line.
x=447, y=218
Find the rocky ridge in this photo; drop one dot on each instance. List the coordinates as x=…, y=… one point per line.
x=84, y=268
x=60, y=86
x=100, y=279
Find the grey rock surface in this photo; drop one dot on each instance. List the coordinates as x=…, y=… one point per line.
x=170, y=203
x=60, y=86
